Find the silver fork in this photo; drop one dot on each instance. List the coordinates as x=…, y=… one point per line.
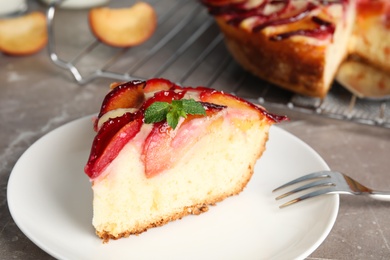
x=327, y=182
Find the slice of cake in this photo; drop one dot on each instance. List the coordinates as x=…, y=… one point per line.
x=295, y=44
x=163, y=151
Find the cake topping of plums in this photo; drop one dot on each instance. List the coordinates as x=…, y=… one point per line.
x=259, y=15
x=161, y=103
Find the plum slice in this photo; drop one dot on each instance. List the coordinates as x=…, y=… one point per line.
x=164, y=145
x=109, y=141
x=126, y=95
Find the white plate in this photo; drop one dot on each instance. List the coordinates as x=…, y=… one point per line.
x=50, y=199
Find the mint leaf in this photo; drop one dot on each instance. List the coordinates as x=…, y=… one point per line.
x=172, y=112
x=178, y=109
x=192, y=107
x=173, y=119
x=157, y=112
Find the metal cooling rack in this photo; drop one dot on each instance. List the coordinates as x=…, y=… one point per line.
x=188, y=48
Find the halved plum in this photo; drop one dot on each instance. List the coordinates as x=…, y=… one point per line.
x=123, y=27
x=23, y=35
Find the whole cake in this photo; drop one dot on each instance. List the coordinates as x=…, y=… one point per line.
x=163, y=151
x=295, y=44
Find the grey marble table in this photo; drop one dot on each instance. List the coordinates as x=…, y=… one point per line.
x=37, y=97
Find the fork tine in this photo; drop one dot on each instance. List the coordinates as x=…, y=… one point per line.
x=319, y=183
x=307, y=196
x=321, y=174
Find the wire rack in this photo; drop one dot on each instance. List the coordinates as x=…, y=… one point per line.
x=188, y=49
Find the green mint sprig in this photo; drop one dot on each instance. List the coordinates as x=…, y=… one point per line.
x=159, y=111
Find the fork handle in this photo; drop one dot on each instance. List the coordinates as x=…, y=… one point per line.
x=380, y=195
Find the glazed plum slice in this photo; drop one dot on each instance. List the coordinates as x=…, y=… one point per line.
x=163, y=96
x=126, y=95
x=109, y=141
x=158, y=84
x=164, y=145
x=225, y=99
